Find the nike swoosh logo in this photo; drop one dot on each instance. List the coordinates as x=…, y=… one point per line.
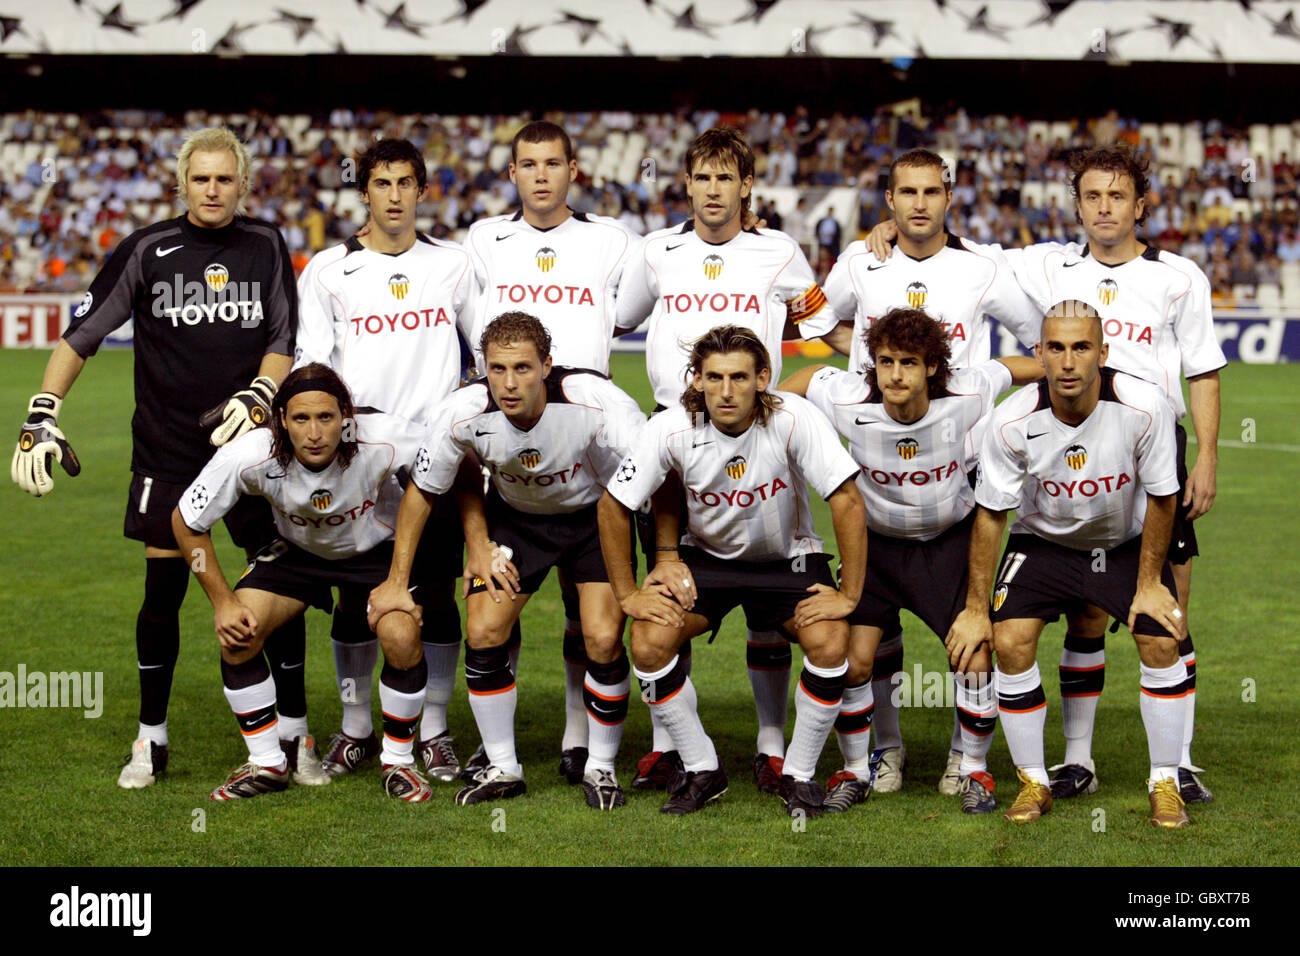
x=1071, y=265
x=701, y=444
x=166, y=252
x=671, y=248
x=506, y=236
x=479, y=434
x=154, y=667
x=1182, y=544
x=274, y=477
x=874, y=268
x=1032, y=437
x=858, y=421
x=348, y=272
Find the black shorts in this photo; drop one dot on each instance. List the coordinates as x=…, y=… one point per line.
x=541, y=542
x=1041, y=579
x=767, y=590
x=440, y=555
x=1182, y=542
x=927, y=578
x=151, y=501
x=284, y=568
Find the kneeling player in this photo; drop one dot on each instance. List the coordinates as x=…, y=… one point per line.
x=913, y=426
x=551, y=438
x=324, y=472
x=743, y=455
x=1088, y=461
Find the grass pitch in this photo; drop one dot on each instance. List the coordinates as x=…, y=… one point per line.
x=71, y=585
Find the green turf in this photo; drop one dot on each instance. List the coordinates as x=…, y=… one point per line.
x=70, y=586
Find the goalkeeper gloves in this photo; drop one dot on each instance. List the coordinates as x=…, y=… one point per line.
x=38, y=442
x=240, y=413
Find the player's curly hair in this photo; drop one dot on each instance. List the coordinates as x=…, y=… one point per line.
x=925, y=159
x=509, y=328
x=723, y=145
x=542, y=131
x=719, y=341
x=391, y=151
x=311, y=378
x=1119, y=158
x=911, y=330
x=213, y=139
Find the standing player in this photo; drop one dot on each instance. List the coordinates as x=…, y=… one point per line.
x=745, y=457
x=213, y=300
x=913, y=426
x=687, y=279
x=552, y=438
x=1088, y=461
x=325, y=470
x=562, y=267
x=1159, y=325
x=961, y=284
x=387, y=311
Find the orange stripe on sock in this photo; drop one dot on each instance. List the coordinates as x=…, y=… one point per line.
x=1027, y=710
x=828, y=703
x=1160, y=696
x=1095, y=693
x=1081, y=670
x=489, y=693
x=596, y=693
x=664, y=700
x=249, y=733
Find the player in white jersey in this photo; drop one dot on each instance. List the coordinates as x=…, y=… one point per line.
x=960, y=283
x=389, y=311
x=1088, y=461
x=714, y=271
x=327, y=473
x=914, y=426
x=745, y=457
x=551, y=438
x=1156, y=315
x=564, y=268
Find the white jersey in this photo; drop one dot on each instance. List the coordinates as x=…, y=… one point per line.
x=391, y=326
x=1082, y=487
x=334, y=513
x=566, y=276
x=746, y=495
x=962, y=285
x=1155, y=309
x=560, y=465
x=687, y=286
x=914, y=478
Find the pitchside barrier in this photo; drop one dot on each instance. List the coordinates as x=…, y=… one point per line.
x=1254, y=336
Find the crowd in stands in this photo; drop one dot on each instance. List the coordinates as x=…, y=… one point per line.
x=72, y=186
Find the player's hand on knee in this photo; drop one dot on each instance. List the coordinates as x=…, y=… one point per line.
x=390, y=596
x=241, y=413
x=880, y=237
x=494, y=568
x=40, y=444
x=648, y=604
x=673, y=579
x=970, y=631
x=826, y=604
x=1158, y=603
x=235, y=623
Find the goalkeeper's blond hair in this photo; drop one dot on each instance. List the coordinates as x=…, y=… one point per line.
x=213, y=139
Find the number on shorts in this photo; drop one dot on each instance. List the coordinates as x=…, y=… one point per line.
x=1010, y=565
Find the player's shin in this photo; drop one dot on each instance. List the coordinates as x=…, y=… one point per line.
x=662, y=742
x=885, y=672
x=575, y=672
x=401, y=695
x=853, y=728
x=1083, y=675
x=251, y=693
x=1022, y=708
x=605, y=693
x=817, y=701
x=286, y=652
x=671, y=695
x=768, y=655
x=977, y=715
x=157, y=641
x=356, y=650
x=1187, y=655
x=492, y=698
x=1163, y=704
x=441, y=637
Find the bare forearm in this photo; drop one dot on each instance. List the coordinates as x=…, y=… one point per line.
x=666, y=505
x=799, y=381
x=1203, y=392
x=984, y=540
x=275, y=367
x=411, y=517
x=1156, y=530
x=1023, y=370
x=840, y=338
x=62, y=369
x=202, y=558
x=849, y=516
x=615, y=524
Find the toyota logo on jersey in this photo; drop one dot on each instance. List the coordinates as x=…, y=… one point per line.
x=321, y=499
x=1076, y=456
x=530, y=458
x=1107, y=289
x=736, y=468
x=399, y=285
x=907, y=448
x=713, y=266
x=216, y=276
x=546, y=258
x=916, y=293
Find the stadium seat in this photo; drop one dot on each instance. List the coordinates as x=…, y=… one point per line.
x=1058, y=191
x=1034, y=190
x=499, y=156
x=1174, y=133
x=1291, y=296
x=1059, y=130
x=1244, y=294
x=1268, y=296
x=1242, y=207
x=1193, y=152
x=1149, y=133
x=1260, y=141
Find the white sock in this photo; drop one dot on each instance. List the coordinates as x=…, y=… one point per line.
x=975, y=696
x=264, y=743
x=575, y=711
x=355, y=664
x=155, y=732
x=495, y=715
x=883, y=686
x=661, y=740
x=853, y=729
x=1189, y=722
x=768, y=657
x=1083, y=674
x=816, y=705
x=1022, y=708
x=442, y=660
x=681, y=718
x=605, y=731
x=400, y=710
x=1163, y=704
x=292, y=727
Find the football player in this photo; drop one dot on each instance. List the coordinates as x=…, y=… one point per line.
x=326, y=471
x=212, y=297
x=744, y=456
x=551, y=438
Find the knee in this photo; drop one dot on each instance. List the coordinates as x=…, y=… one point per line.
x=399, y=637
x=825, y=644
x=604, y=646
x=652, y=647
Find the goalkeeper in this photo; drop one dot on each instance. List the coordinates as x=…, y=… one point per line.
x=213, y=300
